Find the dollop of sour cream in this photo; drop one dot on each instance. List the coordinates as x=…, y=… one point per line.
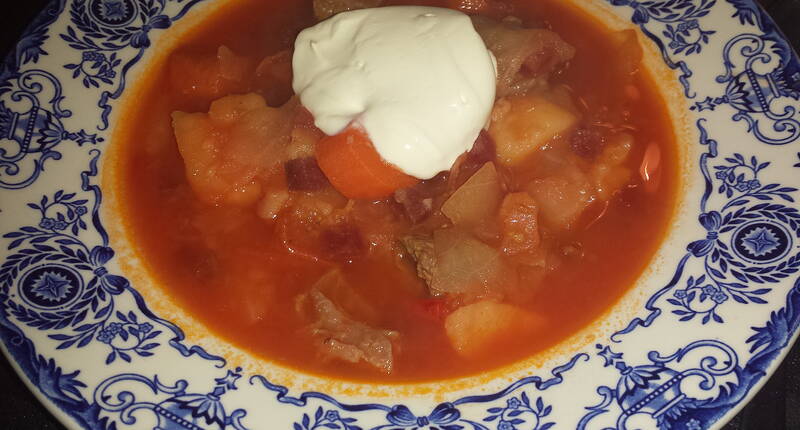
x=418, y=80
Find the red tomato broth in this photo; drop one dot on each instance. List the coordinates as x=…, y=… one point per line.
x=225, y=267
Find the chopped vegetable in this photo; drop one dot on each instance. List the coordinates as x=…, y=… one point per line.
x=417, y=202
x=482, y=152
x=228, y=150
x=272, y=203
x=355, y=169
x=474, y=203
x=276, y=198
x=561, y=201
x=475, y=327
x=342, y=242
x=464, y=265
x=523, y=124
x=519, y=216
x=303, y=142
x=303, y=174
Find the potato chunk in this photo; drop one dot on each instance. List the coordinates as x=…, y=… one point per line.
x=227, y=150
x=519, y=216
x=561, y=200
x=475, y=327
x=523, y=124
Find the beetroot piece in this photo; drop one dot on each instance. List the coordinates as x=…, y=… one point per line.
x=303, y=174
x=342, y=242
x=483, y=151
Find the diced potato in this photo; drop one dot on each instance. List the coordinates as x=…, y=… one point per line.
x=473, y=328
x=272, y=203
x=227, y=150
x=227, y=110
x=302, y=143
x=197, y=129
x=523, y=124
x=561, y=201
x=464, y=265
x=519, y=216
x=475, y=202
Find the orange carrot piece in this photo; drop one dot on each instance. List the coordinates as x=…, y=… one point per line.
x=356, y=169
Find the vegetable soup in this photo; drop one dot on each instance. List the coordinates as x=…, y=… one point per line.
x=311, y=251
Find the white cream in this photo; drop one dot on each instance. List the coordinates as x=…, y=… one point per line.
x=419, y=80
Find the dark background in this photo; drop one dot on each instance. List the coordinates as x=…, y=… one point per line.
x=776, y=407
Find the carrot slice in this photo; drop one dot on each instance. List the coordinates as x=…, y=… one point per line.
x=356, y=169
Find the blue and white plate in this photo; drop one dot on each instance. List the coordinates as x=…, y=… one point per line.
x=688, y=346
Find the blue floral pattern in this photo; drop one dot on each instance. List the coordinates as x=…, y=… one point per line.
x=61, y=288
x=679, y=23
x=32, y=122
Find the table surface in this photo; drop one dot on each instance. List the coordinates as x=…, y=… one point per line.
x=775, y=407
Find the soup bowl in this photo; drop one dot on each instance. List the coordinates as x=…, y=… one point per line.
x=102, y=344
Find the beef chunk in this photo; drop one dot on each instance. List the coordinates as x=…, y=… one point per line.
x=421, y=250
x=341, y=337
x=342, y=242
